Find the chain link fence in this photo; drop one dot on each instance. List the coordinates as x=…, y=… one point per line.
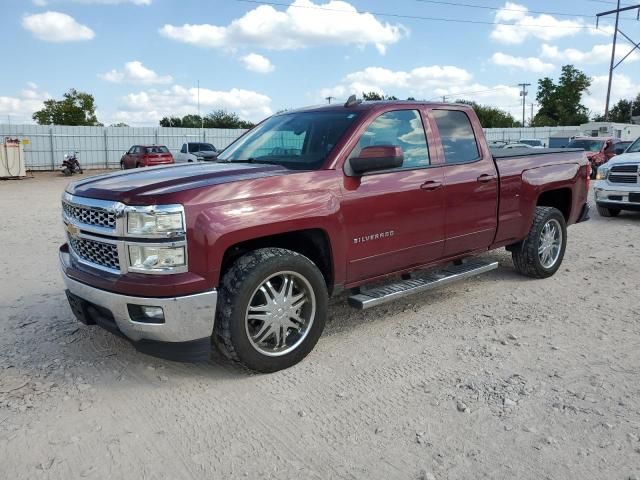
x=102, y=147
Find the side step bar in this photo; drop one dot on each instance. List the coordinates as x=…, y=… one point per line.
x=420, y=283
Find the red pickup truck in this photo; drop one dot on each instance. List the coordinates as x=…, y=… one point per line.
x=381, y=199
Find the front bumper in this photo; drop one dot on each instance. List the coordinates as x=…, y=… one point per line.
x=184, y=333
x=616, y=196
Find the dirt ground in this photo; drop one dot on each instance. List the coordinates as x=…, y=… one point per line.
x=498, y=377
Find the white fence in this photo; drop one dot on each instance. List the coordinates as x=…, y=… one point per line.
x=515, y=134
x=102, y=147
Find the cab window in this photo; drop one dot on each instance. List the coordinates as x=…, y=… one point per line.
x=457, y=137
x=400, y=128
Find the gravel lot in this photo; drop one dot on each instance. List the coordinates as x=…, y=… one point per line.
x=499, y=377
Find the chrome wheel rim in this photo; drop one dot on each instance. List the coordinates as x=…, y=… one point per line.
x=550, y=243
x=280, y=313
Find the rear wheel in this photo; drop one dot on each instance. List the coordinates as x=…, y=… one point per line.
x=608, y=212
x=121, y=165
x=540, y=254
x=272, y=308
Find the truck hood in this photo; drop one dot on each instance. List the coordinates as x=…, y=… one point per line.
x=625, y=158
x=140, y=186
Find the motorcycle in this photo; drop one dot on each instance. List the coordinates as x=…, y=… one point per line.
x=71, y=165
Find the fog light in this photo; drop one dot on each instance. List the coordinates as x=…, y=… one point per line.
x=146, y=313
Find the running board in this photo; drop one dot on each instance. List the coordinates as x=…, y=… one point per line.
x=419, y=283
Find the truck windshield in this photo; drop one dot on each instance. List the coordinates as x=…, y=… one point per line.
x=588, y=145
x=634, y=147
x=298, y=141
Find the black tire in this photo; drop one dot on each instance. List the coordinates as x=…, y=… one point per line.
x=137, y=165
x=121, y=165
x=608, y=212
x=594, y=172
x=67, y=172
x=236, y=291
x=525, y=255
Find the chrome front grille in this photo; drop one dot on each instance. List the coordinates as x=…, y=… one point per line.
x=95, y=252
x=90, y=216
x=627, y=174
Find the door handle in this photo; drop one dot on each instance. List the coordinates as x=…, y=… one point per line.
x=485, y=177
x=431, y=185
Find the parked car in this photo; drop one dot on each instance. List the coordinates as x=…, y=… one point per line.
x=599, y=150
x=618, y=185
x=622, y=146
x=245, y=252
x=517, y=145
x=146, y=156
x=532, y=142
x=196, y=152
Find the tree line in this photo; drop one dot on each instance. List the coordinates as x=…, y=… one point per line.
x=559, y=104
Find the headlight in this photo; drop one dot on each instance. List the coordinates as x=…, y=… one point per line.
x=157, y=222
x=146, y=259
x=602, y=173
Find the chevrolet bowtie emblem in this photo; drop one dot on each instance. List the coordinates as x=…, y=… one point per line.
x=72, y=230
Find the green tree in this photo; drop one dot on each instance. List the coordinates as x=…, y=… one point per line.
x=224, y=119
x=491, y=117
x=75, y=108
x=119, y=124
x=559, y=103
x=373, y=96
x=622, y=111
x=171, y=122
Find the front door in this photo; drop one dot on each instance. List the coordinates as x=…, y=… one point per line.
x=394, y=219
x=471, y=184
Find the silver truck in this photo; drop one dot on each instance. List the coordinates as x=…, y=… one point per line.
x=618, y=183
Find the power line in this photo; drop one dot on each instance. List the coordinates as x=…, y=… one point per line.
x=416, y=17
x=504, y=9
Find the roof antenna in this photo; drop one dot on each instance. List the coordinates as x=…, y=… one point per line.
x=352, y=101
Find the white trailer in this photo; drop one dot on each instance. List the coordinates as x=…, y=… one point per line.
x=623, y=131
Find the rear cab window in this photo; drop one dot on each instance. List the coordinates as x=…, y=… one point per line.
x=457, y=136
x=158, y=149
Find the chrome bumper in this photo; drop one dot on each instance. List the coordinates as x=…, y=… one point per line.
x=620, y=194
x=186, y=318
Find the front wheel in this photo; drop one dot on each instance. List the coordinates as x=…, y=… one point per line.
x=272, y=308
x=540, y=254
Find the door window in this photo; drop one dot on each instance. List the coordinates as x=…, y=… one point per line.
x=457, y=137
x=184, y=148
x=131, y=151
x=400, y=128
x=194, y=147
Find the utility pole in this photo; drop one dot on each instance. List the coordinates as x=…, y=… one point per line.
x=523, y=94
x=444, y=98
x=612, y=67
x=531, y=121
x=329, y=98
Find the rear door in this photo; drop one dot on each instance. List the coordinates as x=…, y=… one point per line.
x=470, y=183
x=394, y=218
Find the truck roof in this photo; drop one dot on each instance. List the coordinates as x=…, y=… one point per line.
x=370, y=105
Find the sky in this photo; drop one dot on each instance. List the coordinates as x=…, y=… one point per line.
x=143, y=59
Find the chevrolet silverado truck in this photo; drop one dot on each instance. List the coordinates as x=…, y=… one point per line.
x=378, y=200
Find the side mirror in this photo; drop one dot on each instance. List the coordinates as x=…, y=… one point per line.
x=381, y=157
x=619, y=151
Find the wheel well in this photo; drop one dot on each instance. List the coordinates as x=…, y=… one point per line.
x=313, y=244
x=560, y=199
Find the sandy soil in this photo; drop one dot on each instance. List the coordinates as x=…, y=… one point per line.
x=499, y=377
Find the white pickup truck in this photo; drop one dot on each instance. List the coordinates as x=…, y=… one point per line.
x=196, y=152
x=618, y=185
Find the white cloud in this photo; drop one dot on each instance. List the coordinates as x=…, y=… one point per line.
x=622, y=86
x=428, y=83
x=543, y=26
x=22, y=106
x=530, y=64
x=303, y=24
x=419, y=81
x=56, y=27
x=257, y=63
x=597, y=54
x=149, y=106
x=135, y=72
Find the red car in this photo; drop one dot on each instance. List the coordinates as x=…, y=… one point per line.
x=146, y=156
x=243, y=253
x=599, y=150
